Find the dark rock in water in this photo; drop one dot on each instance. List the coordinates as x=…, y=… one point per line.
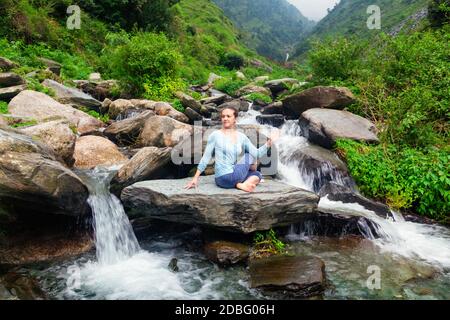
x=273, y=204
x=31, y=180
x=19, y=286
x=273, y=108
x=317, y=97
x=300, y=277
x=274, y=120
x=226, y=253
x=324, y=126
x=173, y=265
x=144, y=165
x=10, y=79
x=335, y=192
x=193, y=115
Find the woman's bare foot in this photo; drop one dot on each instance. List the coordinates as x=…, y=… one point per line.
x=249, y=185
x=246, y=186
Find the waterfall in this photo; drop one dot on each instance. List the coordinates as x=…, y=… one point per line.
x=114, y=237
x=428, y=243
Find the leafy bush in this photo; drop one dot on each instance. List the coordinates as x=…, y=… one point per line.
x=229, y=85
x=3, y=107
x=267, y=244
x=259, y=96
x=439, y=12
x=162, y=89
x=407, y=178
x=232, y=60
x=147, y=62
x=177, y=105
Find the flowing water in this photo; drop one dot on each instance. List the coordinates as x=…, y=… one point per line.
x=413, y=259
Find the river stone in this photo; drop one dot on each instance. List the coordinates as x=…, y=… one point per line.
x=91, y=151
x=11, y=92
x=317, y=97
x=3, y=122
x=336, y=192
x=6, y=64
x=273, y=108
x=273, y=204
x=238, y=104
x=31, y=180
x=274, y=120
x=324, y=126
x=217, y=100
x=42, y=108
x=226, y=253
x=58, y=136
x=300, y=277
x=52, y=65
x=188, y=102
x=144, y=165
x=160, y=131
x=10, y=79
x=165, y=109
x=252, y=88
x=126, y=132
x=279, y=85
x=119, y=106
x=72, y=96
x=193, y=115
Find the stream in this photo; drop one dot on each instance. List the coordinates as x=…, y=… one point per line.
x=413, y=259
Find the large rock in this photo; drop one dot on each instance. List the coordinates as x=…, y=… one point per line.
x=188, y=102
x=42, y=108
x=72, y=96
x=6, y=64
x=279, y=85
x=99, y=90
x=226, y=253
x=300, y=277
x=119, y=106
x=272, y=205
x=251, y=88
x=160, y=131
x=165, y=109
x=58, y=136
x=238, y=104
x=274, y=120
x=3, y=122
x=91, y=151
x=317, y=97
x=273, y=108
x=193, y=115
x=217, y=100
x=144, y=165
x=325, y=126
x=31, y=180
x=127, y=131
x=11, y=92
x=51, y=65
x=10, y=79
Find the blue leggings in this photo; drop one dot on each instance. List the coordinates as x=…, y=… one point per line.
x=240, y=174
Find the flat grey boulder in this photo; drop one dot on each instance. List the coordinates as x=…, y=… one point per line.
x=325, y=126
x=274, y=204
x=72, y=96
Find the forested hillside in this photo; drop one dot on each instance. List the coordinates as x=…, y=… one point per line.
x=271, y=27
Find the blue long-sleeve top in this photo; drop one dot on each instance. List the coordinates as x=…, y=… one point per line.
x=226, y=152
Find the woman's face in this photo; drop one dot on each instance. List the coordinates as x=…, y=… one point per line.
x=228, y=119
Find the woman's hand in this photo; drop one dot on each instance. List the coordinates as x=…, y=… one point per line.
x=274, y=135
x=192, y=184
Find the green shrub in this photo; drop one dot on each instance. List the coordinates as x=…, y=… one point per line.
x=162, y=89
x=229, y=85
x=267, y=244
x=407, y=178
x=439, y=12
x=232, y=60
x=3, y=107
x=145, y=62
x=177, y=105
x=259, y=96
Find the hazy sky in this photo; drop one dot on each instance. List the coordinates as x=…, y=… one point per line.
x=314, y=9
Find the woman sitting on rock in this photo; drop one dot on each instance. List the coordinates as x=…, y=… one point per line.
x=227, y=144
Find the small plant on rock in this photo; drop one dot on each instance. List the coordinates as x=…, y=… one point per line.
x=267, y=244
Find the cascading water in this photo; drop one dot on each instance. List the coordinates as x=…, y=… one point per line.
x=427, y=243
x=114, y=237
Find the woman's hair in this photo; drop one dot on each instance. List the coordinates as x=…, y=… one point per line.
x=235, y=111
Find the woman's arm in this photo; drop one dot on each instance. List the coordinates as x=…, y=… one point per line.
x=204, y=161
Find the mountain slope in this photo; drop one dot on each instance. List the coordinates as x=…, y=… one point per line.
x=349, y=17
x=271, y=27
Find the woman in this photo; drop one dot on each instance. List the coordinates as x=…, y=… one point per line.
x=227, y=144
